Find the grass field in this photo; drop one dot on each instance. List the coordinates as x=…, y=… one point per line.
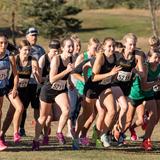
x=101, y=23
x=97, y=23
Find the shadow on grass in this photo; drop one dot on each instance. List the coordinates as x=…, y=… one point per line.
x=95, y=29
x=26, y=146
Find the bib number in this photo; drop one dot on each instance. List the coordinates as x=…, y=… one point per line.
x=106, y=81
x=3, y=74
x=23, y=82
x=59, y=85
x=124, y=76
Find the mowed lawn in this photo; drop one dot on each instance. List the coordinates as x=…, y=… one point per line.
x=96, y=23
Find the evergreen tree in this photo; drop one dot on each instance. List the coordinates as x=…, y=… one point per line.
x=51, y=17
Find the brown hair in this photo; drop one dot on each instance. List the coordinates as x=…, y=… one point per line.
x=151, y=51
x=63, y=42
x=108, y=39
x=23, y=43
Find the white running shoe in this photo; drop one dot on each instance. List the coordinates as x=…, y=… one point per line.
x=105, y=140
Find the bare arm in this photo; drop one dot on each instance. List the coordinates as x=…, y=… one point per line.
x=41, y=63
x=79, y=59
x=97, y=67
x=139, y=67
x=15, y=74
x=53, y=76
x=36, y=70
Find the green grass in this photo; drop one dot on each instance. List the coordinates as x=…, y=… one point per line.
x=99, y=23
x=102, y=24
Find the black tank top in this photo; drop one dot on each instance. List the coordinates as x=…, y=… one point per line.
x=46, y=68
x=61, y=68
x=105, y=68
x=127, y=65
x=24, y=72
x=125, y=76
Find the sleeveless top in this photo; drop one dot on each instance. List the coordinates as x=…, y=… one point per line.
x=61, y=84
x=46, y=68
x=80, y=84
x=24, y=72
x=105, y=68
x=152, y=76
x=125, y=74
x=4, y=70
x=136, y=92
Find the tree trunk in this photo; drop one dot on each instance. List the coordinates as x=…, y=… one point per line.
x=151, y=5
x=13, y=28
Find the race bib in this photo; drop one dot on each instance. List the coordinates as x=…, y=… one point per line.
x=124, y=76
x=3, y=74
x=106, y=81
x=59, y=85
x=23, y=82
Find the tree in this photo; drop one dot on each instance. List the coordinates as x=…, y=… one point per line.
x=52, y=17
x=11, y=7
x=152, y=7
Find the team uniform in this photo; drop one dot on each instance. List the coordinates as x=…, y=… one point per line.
x=125, y=77
x=4, y=74
x=24, y=73
x=93, y=89
x=50, y=91
x=79, y=85
x=45, y=73
x=36, y=52
x=136, y=95
x=152, y=76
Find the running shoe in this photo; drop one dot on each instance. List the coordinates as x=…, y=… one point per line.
x=133, y=134
x=2, y=145
x=94, y=134
x=61, y=138
x=99, y=144
x=84, y=141
x=75, y=144
x=105, y=140
x=22, y=132
x=147, y=145
x=16, y=138
x=35, y=145
x=45, y=140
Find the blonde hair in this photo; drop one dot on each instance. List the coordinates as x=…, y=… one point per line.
x=93, y=40
x=75, y=37
x=153, y=40
x=130, y=36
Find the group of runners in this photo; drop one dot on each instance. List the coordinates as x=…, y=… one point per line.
x=102, y=87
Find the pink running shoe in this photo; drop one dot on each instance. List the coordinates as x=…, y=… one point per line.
x=84, y=141
x=2, y=145
x=35, y=145
x=45, y=140
x=133, y=135
x=16, y=138
x=61, y=138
